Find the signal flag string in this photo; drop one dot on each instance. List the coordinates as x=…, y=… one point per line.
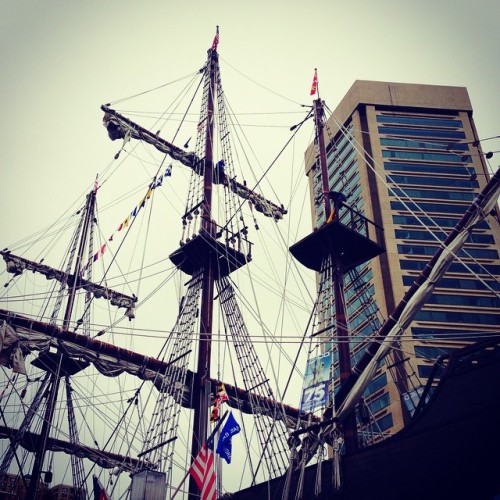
x=157, y=182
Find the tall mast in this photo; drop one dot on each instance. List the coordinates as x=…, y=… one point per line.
x=319, y=114
x=60, y=365
x=207, y=294
x=332, y=250
x=342, y=333
x=209, y=252
x=202, y=384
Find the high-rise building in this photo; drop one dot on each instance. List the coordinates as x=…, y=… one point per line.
x=409, y=158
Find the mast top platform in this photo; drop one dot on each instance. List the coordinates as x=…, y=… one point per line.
x=55, y=363
x=348, y=247
x=204, y=249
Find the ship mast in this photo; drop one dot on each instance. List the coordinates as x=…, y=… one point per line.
x=332, y=250
x=342, y=334
x=201, y=382
x=210, y=250
x=60, y=365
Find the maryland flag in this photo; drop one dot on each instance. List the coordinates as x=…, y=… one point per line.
x=220, y=397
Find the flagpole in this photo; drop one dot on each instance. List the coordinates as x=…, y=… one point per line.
x=216, y=428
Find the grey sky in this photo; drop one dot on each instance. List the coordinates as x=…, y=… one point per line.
x=60, y=60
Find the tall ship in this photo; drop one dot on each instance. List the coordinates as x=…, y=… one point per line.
x=206, y=345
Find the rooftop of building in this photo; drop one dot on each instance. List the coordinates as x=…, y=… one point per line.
x=406, y=96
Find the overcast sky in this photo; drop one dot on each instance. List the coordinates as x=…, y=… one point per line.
x=61, y=60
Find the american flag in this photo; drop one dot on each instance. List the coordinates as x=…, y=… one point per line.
x=203, y=472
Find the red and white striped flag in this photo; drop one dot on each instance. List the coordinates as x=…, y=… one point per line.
x=203, y=472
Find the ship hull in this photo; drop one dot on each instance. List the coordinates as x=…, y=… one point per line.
x=451, y=450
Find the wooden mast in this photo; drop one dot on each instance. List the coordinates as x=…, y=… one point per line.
x=342, y=334
x=202, y=384
x=60, y=365
x=332, y=250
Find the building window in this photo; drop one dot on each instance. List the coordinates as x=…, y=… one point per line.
x=429, y=207
x=380, y=403
x=480, y=253
x=378, y=383
x=411, y=220
x=464, y=300
x=408, y=143
x=445, y=333
x=418, y=132
x=430, y=193
x=425, y=371
x=426, y=168
x=432, y=181
x=416, y=155
x=465, y=284
x=458, y=317
x=431, y=352
x=417, y=120
x=384, y=423
x=455, y=267
x=408, y=234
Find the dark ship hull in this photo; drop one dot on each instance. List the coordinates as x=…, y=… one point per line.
x=450, y=450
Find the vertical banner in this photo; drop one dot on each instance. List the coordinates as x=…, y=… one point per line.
x=316, y=382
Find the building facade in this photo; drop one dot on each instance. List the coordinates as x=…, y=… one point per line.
x=13, y=487
x=408, y=157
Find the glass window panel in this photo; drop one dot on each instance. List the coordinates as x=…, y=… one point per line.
x=416, y=155
x=461, y=284
x=439, y=221
x=440, y=235
x=418, y=120
x=459, y=317
x=423, y=168
x=379, y=403
x=463, y=300
x=447, y=333
x=480, y=253
x=430, y=207
x=431, y=193
x=418, y=132
x=408, y=143
x=432, y=181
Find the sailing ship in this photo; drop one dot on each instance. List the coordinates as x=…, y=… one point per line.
x=135, y=422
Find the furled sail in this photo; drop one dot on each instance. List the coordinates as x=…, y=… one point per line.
x=101, y=458
x=120, y=127
x=111, y=361
x=16, y=265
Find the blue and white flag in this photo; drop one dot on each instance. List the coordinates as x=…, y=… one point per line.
x=231, y=427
